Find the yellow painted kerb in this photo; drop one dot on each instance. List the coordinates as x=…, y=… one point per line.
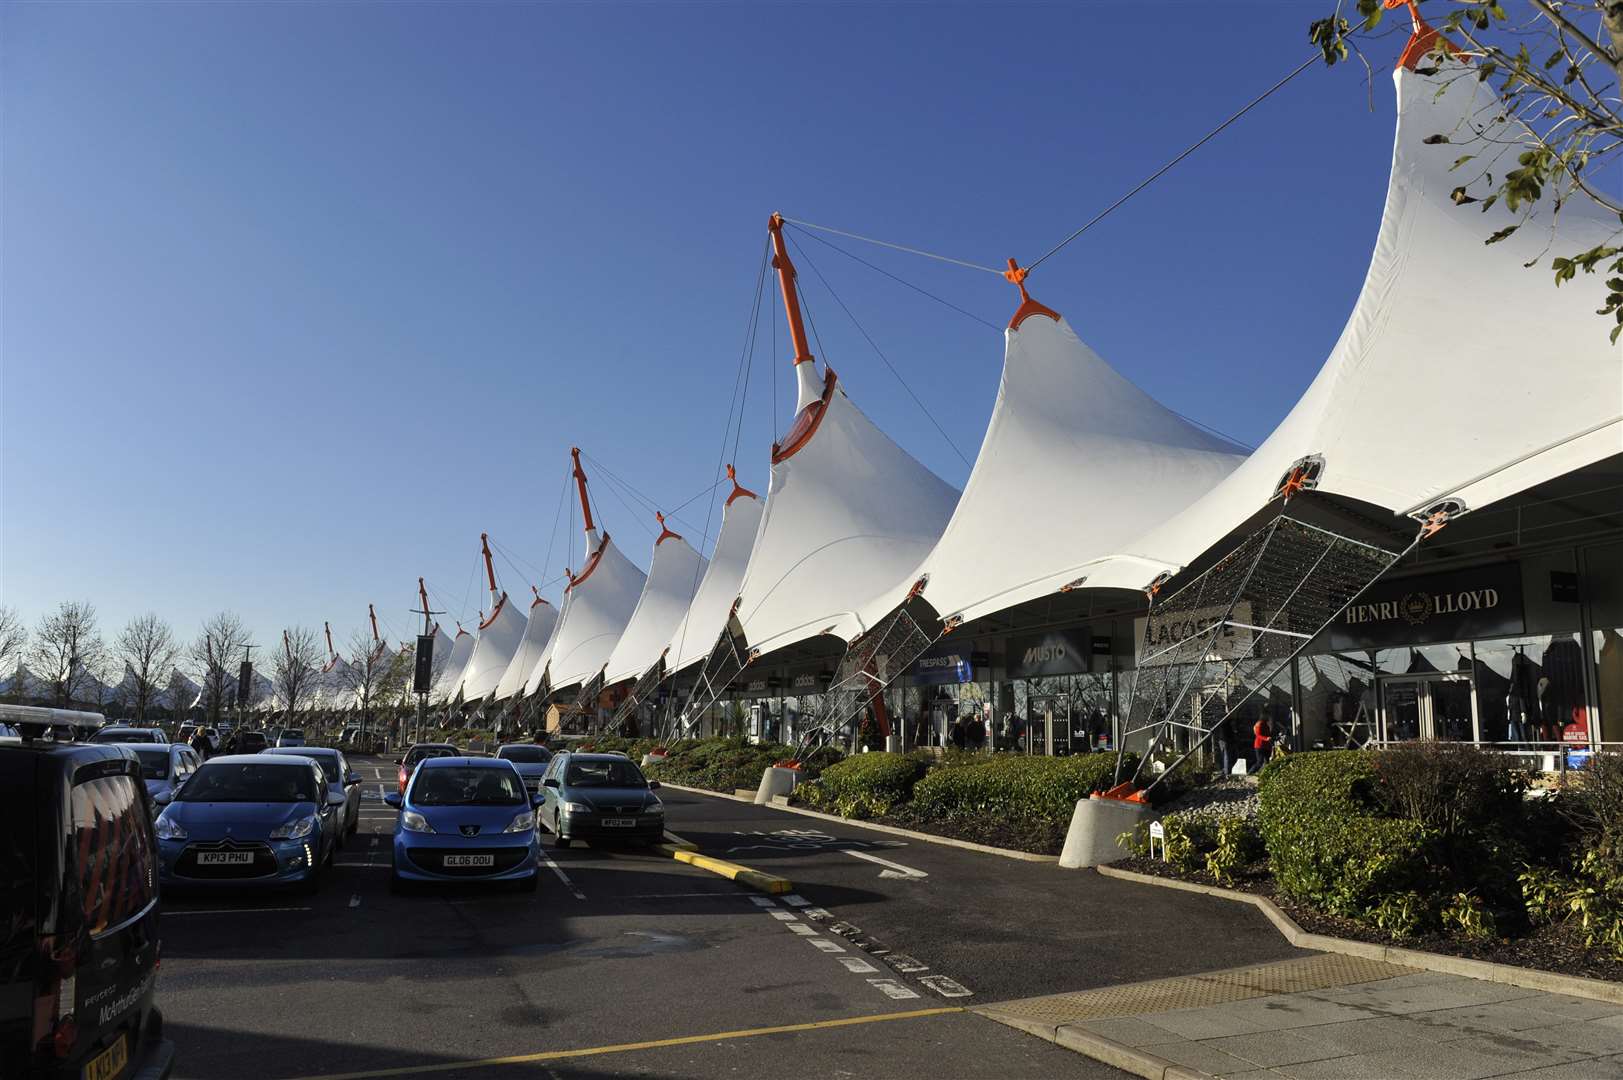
x=621, y=1048
x=755, y=879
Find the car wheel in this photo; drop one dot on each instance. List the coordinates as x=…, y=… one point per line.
x=558, y=838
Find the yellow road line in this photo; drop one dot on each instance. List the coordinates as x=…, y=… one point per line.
x=620, y=1048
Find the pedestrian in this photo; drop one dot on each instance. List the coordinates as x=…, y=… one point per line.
x=957, y=733
x=1262, y=741
x=975, y=735
x=200, y=743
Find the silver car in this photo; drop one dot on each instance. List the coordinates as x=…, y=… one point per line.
x=335, y=767
x=164, y=767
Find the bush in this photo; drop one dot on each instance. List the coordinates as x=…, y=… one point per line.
x=1594, y=806
x=1453, y=789
x=1329, y=844
x=727, y=763
x=1013, y=789
x=867, y=785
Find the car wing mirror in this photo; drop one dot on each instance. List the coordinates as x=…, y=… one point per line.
x=653, y=785
x=163, y=798
x=336, y=798
x=536, y=800
x=399, y=761
x=392, y=799
x=551, y=782
x=351, y=779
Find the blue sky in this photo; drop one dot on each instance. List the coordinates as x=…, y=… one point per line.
x=300, y=298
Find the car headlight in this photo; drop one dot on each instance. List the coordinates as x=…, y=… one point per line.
x=576, y=808
x=412, y=821
x=655, y=807
x=169, y=829
x=524, y=822
x=295, y=830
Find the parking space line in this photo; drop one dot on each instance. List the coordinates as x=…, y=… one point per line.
x=563, y=877
x=898, y=868
x=167, y=912
x=802, y=929
x=795, y=900
x=653, y=1044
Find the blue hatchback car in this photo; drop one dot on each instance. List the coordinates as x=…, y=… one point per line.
x=248, y=820
x=465, y=819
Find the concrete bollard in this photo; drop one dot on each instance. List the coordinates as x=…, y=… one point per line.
x=652, y=759
x=1095, y=824
x=775, y=781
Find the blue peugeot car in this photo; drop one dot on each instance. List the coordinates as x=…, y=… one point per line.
x=249, y=820
x=465, y=819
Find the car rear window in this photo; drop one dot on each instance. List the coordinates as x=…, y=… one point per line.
x=250, y=782
x=154, y=762
x=328, y=762
x=293, y=733
x=422, y=753
x=468, y=785
x=528, y=755
x=115, y=856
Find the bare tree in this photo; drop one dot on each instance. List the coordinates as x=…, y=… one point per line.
x=367, y=672
x=297, y=666
x=13, y=637
x=181, y=694
x=65, y=651
x=214, y=656
x=148, y=649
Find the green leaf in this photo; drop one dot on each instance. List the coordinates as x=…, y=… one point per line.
x=1460, y=161
x=1460, y=197
x=1433, y=140
x=1501, y=234
x=1555, y=58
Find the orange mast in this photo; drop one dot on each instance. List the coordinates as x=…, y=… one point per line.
x=786, y=283
x=490, y=568
x=580, y=482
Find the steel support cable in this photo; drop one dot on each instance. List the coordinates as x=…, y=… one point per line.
x=1163, y=170
x=897, y=247
x=901, y=281
x=881, y=354
x=650, y=504
x=557, y=516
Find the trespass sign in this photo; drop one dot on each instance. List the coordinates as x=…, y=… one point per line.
x=1484, y=601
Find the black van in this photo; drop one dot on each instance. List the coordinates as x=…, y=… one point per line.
x=79, y=893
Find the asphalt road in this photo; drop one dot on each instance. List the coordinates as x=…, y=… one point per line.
x=618, y=947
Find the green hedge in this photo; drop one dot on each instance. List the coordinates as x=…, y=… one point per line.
x=867, y=785
x=1331, y=843
x=1013, y=788
x=729, y=763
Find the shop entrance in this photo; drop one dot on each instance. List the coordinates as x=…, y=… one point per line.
x=1049, y=730
x=1427, y=707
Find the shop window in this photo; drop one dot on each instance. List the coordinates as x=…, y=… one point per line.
x=1530, y=688
x=1609, y=682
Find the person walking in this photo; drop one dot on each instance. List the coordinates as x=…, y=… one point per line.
x=1262, y=741
x=200, y=743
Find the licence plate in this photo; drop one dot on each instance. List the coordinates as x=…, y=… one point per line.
x=225, y=858
x=470, y=860
x=110, y=1062
x=620, y=823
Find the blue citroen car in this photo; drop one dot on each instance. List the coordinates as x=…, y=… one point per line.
x=249, y=820
x=465, y=819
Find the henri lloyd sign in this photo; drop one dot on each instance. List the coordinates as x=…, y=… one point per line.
x=1484, y=601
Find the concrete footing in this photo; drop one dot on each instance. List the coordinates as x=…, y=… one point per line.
x=1095, y=824
x=775, y=781
x=652, y=759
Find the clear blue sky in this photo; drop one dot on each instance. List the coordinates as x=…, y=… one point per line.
x=300, y=298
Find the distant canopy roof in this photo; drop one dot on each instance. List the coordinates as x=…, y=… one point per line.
x=451, y=679
x=1460, y=375
x=705, y=619
x=494, y=647
x=537, y=633
x=674, y=573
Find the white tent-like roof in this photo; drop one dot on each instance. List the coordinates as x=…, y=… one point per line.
x=674, y=573
x=712, y=605
x=1102, y=458
x=848, y=513
x=537, y=633
x=450, y=679
x=597, y=606
x=1460, y=375
x=498, y=639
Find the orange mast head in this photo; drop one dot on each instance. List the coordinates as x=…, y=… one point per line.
x=1423, y=39
x=422, y=594
x=665, y=532
x=490, y=569
x=580, y=482
x=373, y=615
x=786, y=284
x=331, y=655
x=1017, y=274
x=739, y=490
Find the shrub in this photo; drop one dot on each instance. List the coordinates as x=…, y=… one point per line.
x=1466, y=914
x=1013, y=789
x=1594, y=806
x=726, y=763
x=1238, y=845
x=866, y=785
x=1453, y=789
x=1328, y=843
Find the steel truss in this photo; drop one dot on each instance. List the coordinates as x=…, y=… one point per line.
x=645, y=685
x=729, y=657
x=871, y=663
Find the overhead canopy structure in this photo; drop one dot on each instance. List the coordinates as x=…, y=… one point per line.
x=456, y=661
x=674, y=573
x=332, y=685
x=712, y=605
x=498, y=639
x=537, y=633
x=597, y=607
x=1461, y=377
x=1102, y=458
x=848, y=512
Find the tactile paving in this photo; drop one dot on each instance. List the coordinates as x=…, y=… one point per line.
x=1319, y=972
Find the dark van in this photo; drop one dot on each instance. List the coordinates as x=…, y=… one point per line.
x=79, y=889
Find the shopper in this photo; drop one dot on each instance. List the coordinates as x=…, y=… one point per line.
x=1262, y=741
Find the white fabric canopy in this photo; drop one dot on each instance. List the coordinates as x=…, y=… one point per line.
x=451, y=678
x=543, y=621
x=712, y=605
x=1069, y=435
x=597, y=606
x=674, y=573
x=1460, y=374
x=848, y=514
x=493, y=649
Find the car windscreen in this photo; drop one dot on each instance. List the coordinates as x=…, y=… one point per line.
x=118, y=735
x=467, y=785
x=154, y=762
x=527, y=755
x=604, y=774
x=292, y=733
x=250, y=782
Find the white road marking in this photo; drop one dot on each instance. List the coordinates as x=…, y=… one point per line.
x=802, y=929
x=947, y=988
x=674, y=895
x=896, y=870
x=563, y=877
x=892, y=989
x=845, y=929
x=856, y=963
x=816, y=913
x=826, y=945
x=355, y=900
x=904, y=962
x=763, y=901
x=783, y=916
x=796, y=901
x=233, y=911
x=374, y=842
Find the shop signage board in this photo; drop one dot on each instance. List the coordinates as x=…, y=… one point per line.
x=1479, y=602
x=1056, y=652
x=1233, y=641
x=944, y=666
